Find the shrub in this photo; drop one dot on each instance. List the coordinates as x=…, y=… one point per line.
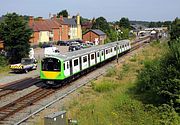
x=161, y=78
x=3, y=61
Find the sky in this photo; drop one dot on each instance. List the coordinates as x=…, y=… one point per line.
x=112, y=10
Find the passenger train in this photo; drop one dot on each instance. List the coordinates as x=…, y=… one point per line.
x=62, y=68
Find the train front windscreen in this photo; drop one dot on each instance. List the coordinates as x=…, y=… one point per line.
x=51, y=64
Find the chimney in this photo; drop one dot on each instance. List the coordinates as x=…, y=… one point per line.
x=61, y=17
x=40, y=19
x=31, y=20
x=54, y=16
x=78, y=19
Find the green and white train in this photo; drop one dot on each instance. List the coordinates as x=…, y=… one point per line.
x=62, y=68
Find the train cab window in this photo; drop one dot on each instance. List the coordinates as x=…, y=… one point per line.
x=92, y=56
x=51, y=64
x=84, y=59
x=76, y=62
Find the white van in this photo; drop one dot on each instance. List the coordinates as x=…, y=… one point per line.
x=50, y=51
x=31, y=53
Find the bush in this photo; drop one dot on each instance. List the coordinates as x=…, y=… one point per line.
x=161, y=78
x=3, y=61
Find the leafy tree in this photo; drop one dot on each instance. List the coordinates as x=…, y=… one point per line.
x=102, y=24
x=124, y=23
x=175, y=31
x=15, y=34
x=160, y=79
x=63, y=13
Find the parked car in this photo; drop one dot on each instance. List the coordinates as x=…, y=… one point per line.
x=61, y=43
x=75, y=47
x=44, y=45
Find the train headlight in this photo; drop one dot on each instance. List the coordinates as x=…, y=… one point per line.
x=50, y=82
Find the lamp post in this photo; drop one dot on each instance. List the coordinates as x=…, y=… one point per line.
x=118, y=30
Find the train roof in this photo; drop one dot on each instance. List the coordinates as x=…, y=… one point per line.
x=74, y=54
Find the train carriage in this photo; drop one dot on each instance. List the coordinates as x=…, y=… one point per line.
x=55, y=69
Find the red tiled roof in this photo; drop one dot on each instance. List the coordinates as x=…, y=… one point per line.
x=52, y=24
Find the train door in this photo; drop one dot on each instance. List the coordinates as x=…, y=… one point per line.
x=102, y=55
x=84, y=60
x=75, y=65
x=66, y=68
x=92, y=59
x=97, y=57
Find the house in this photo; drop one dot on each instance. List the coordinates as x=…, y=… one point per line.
x=75, y=31
x=46, y=30
x=64, y=29
x=95, y=35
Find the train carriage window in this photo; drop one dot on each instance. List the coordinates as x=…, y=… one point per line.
x=106, y=51
x=92, y=56
x=111, y=49
x=102, y=52
x=97, y=54
x=84, y=59
x=120, y=47
x=51, y=64
x=76, y=62
x=114, y=48
x=67, y=65
x=64, y=66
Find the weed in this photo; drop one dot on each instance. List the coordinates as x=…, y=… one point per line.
x=104, y=86
x=111, y=72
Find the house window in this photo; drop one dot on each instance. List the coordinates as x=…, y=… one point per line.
x=92, y=56
x=76, y=62
x=84, y=59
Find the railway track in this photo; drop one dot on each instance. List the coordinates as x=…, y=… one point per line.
x=23, y=102
x=33, y=97
x=17, y=85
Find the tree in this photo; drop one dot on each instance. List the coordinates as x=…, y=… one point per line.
x=160, y=79
x=102, y=24
x=16, y=35
x=124, y=23
x=63, y=13
x=175, y=30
